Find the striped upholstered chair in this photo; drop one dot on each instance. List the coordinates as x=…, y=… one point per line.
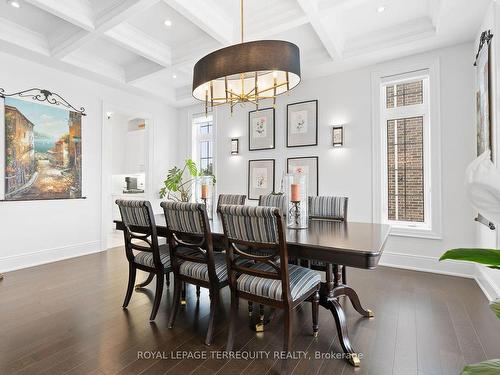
x=329, y=208
x=143, y=252
x=193, y=258
x=268, y=279
x=232, y=199
x=274, y=200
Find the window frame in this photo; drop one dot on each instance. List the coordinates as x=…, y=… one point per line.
x=408, y=70
x=399, y=113
x=197, y=138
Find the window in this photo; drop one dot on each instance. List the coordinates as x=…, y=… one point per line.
x=203, y=143
x=405, y=122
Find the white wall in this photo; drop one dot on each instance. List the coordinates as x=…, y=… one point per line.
x=486, y=238
x=43, y=231
x=345, y=99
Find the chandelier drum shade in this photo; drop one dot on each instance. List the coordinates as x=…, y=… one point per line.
x=247, y=72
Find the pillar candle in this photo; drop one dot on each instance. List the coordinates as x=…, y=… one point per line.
x=295, y=192
x=204, y=191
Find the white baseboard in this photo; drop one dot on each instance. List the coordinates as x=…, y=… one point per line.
x=427, y=264
x=36, y=258
x=487, y=285
x=452, y=268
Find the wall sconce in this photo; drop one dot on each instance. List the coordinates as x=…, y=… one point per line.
x=338, y=136
x=235, y=146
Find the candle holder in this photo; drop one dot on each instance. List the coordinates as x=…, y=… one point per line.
x=296, y=193
x=204, y=193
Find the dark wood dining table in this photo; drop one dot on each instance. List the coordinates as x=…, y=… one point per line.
x=336, y=243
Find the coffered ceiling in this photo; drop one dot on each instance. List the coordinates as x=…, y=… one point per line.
x=152, y=45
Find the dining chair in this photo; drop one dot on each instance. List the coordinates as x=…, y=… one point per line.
x=233, y=199
x=329, y=208
x=268, y=279
x=142, y=250
x=193, y=259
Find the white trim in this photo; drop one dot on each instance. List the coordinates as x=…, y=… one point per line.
x=36, y=258
x=427, y=264
x=431, y=65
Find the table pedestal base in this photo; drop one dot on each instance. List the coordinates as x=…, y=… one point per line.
x=329, y=300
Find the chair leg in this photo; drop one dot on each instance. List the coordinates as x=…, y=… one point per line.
x=167, y=278
x=183, y=294
x=232, y=322
x=158, y=295
x=287, y=343
x=198, y=291
x=315, y=313
x=344, y=275
x=131, y=281
x=214, y=301
x=175, y=302
x=287, y=339
x=250, y=308
x=259, y=327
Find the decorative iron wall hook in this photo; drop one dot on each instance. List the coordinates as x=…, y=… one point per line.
x=485, y=38
x=43, y=95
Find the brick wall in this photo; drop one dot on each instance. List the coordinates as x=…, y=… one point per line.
x=405, y=156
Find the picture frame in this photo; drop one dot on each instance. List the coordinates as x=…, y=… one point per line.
x=261, y=129
x=308, y=165
x=302, y=124
x=261, y=179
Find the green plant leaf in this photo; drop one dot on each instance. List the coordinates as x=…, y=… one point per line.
x=191, y=167
x=489, y=257
x=495, y=307
x=491, y=367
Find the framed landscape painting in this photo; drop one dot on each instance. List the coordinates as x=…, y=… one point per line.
x=483, y=100
x=261, y=129
x=42, y=151
x=302, y=124
x=260, y=178
x=307, y=166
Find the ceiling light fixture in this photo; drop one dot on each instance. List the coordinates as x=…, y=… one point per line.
x=15, y=4
x=174, y=76
x=246, y=72
x=167, y=23
x=380, y=9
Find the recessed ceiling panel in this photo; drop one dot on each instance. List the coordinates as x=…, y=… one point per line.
x=180, y=32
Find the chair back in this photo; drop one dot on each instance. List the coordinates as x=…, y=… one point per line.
x=188, y=228
x=137, y=217
x=274, y=200
x=328, y=208
x=231, y=199
x=250, y=229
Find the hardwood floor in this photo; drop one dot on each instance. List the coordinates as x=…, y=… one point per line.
x=66, y=318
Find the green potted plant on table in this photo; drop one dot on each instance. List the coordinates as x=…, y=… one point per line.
x=178, y=185
x=491, y=259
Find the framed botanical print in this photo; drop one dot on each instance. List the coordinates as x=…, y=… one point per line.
x=302, y=124
x=260, y=178
x=308, y=166
x=261, y=129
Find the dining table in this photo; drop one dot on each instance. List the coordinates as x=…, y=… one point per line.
x=333, y=244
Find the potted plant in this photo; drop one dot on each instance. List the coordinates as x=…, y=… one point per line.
x=491, y=259
x=178, y=185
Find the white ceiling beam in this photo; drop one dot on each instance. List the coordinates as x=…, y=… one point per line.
x=332, y=43
x=112, y=18
x=141, y=43
x=15, y=34
x=208, y=16
x=96, y=65
x=77, y=12
x=344, y=4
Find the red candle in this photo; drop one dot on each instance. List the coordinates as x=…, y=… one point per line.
x=204, y=191
x=295, y=192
